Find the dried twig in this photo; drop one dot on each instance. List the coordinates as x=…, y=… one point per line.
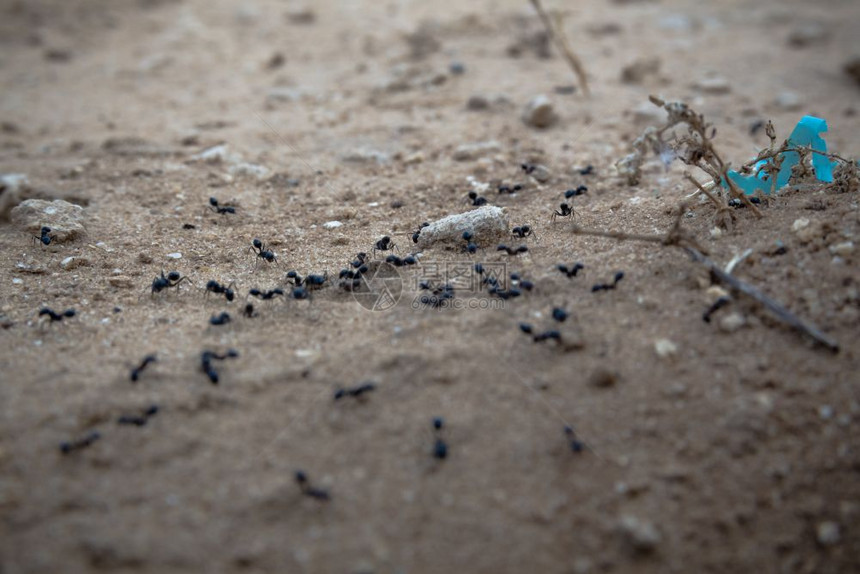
x=556, y=32
x=676, y=236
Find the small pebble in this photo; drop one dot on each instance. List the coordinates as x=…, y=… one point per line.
x=642, y=535
x=176, y=255
x=472, y=151
x=332, y=224
x=540, y=112
x=732, y=322
x=843, y=249
x=714, y=85
x=788, y=101
x=665, y=348
x=828, y=533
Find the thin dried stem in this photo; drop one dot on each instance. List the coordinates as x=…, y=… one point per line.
x=677, y=237
x=556, y=32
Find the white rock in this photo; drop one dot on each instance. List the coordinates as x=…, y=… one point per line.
x=472, y=151
x=788, y=101
x=11, y=187
x=828, y=533
x=732, y=322
x=215, y=154
x=65, y=219
x=665, y=348
x=843, y=249
x=714, y=85
x=176, y=255
x=332, y=224
x=248, y=169
x=799, y=224
x=487, y=223
x=72, y=262
x=540, y=112
x=641, y=534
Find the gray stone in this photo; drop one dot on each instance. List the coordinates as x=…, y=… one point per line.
x=12, y=185
x=828, y=533
x=714, y=85
x=65, y=219
x=473, y=151
x=788, y=101
x=642, y=535
x=540, y=112
x=487, y=223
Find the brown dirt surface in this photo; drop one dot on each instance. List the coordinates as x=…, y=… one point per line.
x=739, y=451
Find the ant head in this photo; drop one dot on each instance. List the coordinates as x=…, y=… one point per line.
x=46, y=230
x=522, y=249
x=526, y=328
x=254, y=292
x=213, y=202
x=619, y=276
x=479, y=269
x=278, y=291
x=564, y=206
x=425, y=224
x=363, y=269
x=301, y=477
x=559, y=314
x=473, y=194
x=69, y=313
x=385, y=239
x=468, y=235
x=438, y=422
x=525, y=228
x=228, y=293
x=257, y=243
x=292, y=274
x=409, y=260
x=212, y=284
x=232, y=353
x=173, y=276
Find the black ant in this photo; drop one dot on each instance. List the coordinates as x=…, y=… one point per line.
x=135, y=372
x=510, y=189
x=221, y=319
x=355, y=391
x=570, y=271
x=398, y=262
x=587, y=170
x=439, y=294
x=213, y=286
x=163, y=282
x=417, y=234
x=518, y=281
x=476, y=200
x=565, y=211
x=261, y=252
x=206, y=359
x=523, y=231
x=576, y=445
x=512, y=250
x=384, y=244
x=300, y=293
x=361, y=259
x=138, y=420
x=81, y=443
x=540, y=337
x=574, y=192
x=213, y=203
x=440, y=447
x=308, y=490
x=470, y=246
x=718, y=304
x=608, y=286
x=45, y=236
x=265, y=295
x=501, y=293
x=57, y=316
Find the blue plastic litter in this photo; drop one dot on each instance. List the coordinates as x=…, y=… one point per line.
x=805, y=134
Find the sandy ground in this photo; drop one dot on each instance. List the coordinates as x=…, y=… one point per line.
x=737, y=452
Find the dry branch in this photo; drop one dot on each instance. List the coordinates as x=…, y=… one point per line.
x=556, y=32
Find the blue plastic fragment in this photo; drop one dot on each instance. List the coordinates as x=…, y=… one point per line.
x=805, y=134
